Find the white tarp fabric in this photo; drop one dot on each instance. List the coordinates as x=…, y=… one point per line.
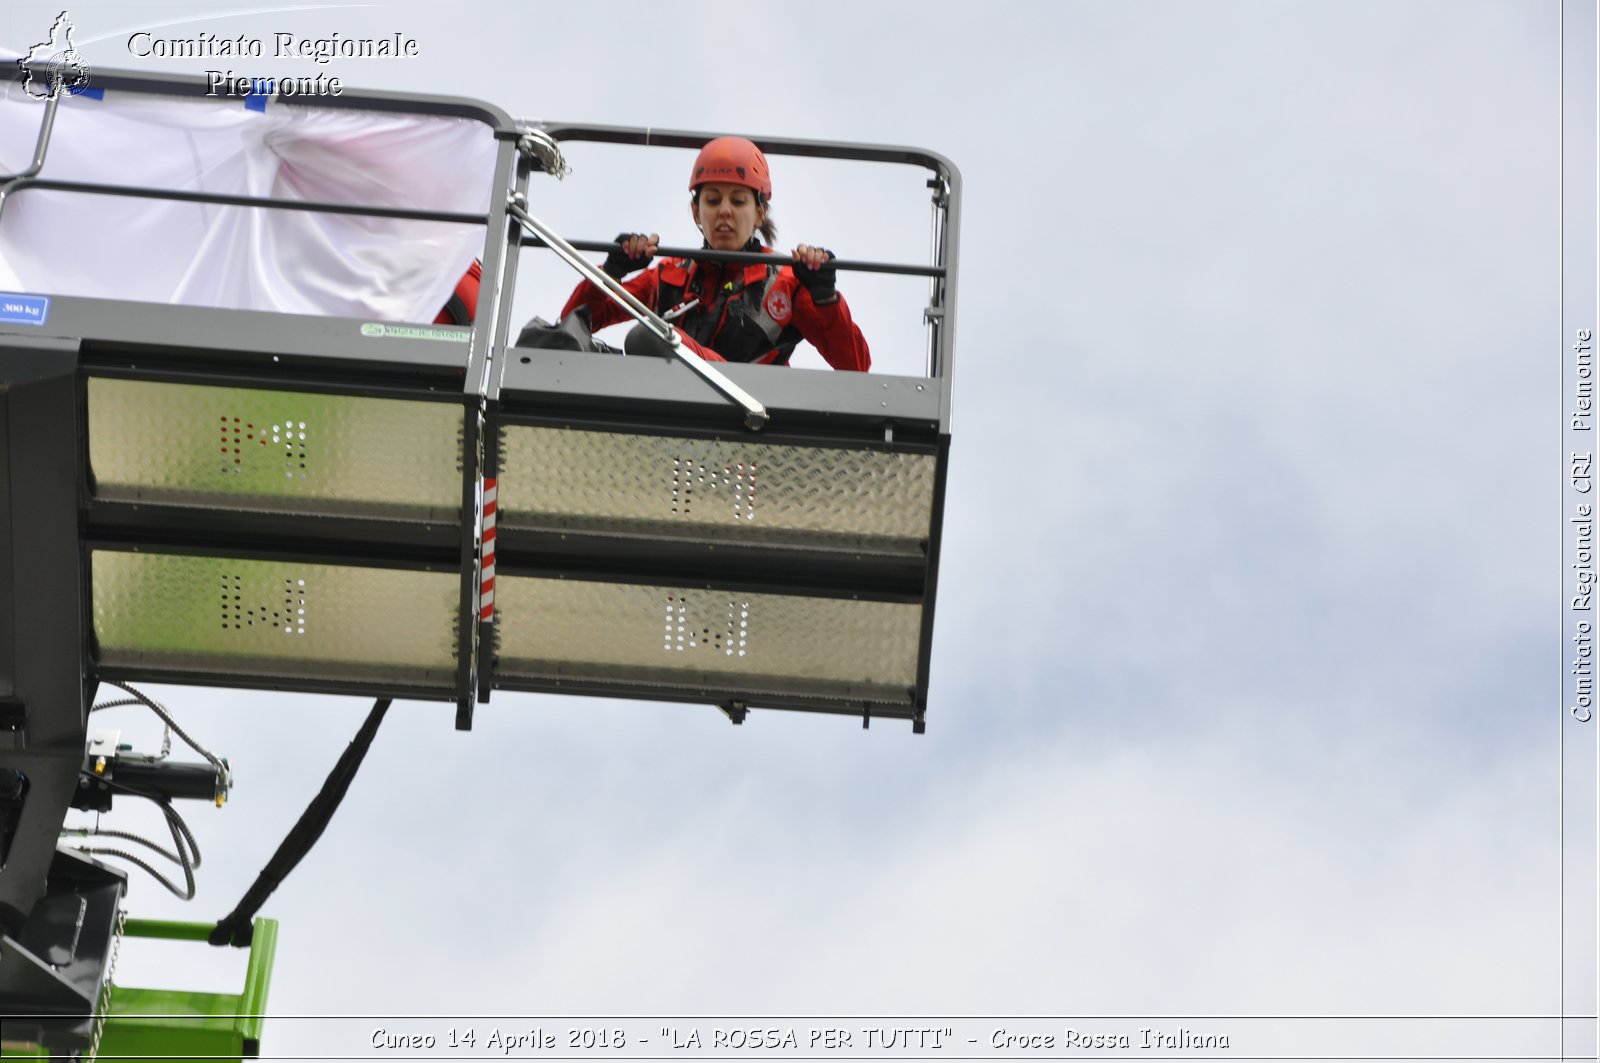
x=243, y=257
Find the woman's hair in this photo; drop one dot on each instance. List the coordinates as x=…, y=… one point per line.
x=768, y=228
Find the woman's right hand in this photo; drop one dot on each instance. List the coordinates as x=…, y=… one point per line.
x=633, y=252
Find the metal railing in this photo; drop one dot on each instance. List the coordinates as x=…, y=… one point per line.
x=508, y=215
x=945, y=182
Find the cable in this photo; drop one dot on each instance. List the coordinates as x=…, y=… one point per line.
x=96, y=832
x=186, y=851
x=160, y=801
x=186, y=894
x=237, y=926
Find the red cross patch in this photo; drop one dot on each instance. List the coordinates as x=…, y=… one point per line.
x=777, y=306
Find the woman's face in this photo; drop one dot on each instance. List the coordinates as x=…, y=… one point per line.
x=727, y=215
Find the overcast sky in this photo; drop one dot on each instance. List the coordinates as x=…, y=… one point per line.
x=1243, y=691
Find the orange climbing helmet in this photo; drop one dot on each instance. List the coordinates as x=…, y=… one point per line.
x=733, y=160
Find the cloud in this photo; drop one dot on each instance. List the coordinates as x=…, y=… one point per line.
x=1241, y=658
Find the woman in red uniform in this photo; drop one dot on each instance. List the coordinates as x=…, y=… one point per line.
x=736, y=313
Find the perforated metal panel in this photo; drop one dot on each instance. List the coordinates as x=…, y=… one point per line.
x=274, y=451
x=855, y=499
x=274, y=618
x=551, y=629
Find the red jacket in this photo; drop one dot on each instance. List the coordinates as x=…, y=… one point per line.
x=463, y=305
x=749, y=313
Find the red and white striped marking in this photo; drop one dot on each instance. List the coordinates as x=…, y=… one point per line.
x=486, y=577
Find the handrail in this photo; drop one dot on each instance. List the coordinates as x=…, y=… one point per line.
x=177, y=85
x=41, y=144
x=939, y=316
x=756, y=258
x=23, y=184
x=196, y=86
x=41, y=147
x=647, y=136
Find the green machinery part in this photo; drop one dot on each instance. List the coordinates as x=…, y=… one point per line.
x=153, y=1025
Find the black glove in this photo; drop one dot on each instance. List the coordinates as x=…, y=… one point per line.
x=819, y=282
x=619, y=265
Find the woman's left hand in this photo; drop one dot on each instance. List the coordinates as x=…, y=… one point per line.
x=813, y=268
x=813, y=257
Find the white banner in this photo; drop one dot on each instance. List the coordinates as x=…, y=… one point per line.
x=202, y=254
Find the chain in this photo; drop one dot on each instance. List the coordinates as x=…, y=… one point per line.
x=105, y=988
